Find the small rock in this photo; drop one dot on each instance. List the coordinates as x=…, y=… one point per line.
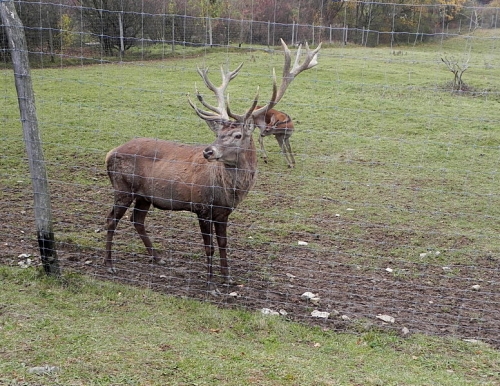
x=476, y=287
x=268, y=311
x=446, y=269
x=320, y=314
x=345, y=318
x=283, y=312
x=423, y=254
x=234, y=295
x=313, y=298
x=43, y=370
x=386, y=318
x=291, y=276
x=24, y=263
x=474, y=341
x=405, y=331
x=308, y=295
x=390, y=270
x=302, y=242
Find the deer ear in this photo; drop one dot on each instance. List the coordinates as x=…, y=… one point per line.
x=249, y=126
x=260, y=121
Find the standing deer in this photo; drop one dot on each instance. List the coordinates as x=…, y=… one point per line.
x=280, y=125
x=209, y=181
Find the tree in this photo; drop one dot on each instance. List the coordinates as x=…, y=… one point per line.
x=457, y=69
x=268, y=10
x=115, y=23
x=450, y=9
x=41, y=22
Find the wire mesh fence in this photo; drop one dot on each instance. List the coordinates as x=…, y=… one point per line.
x=391, y=210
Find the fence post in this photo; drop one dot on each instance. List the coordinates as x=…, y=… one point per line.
x=27, y=109
x=268, y=33
x=173, y=33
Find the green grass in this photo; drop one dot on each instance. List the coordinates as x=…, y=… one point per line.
x=101, y=333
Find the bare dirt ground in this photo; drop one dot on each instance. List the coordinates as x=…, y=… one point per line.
x=421, y=297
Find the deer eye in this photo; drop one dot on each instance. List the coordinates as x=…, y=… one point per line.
x=237, y=136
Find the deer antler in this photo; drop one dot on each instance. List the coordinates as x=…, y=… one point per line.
x=219, y=113
x=310, y=61
x=214, y=116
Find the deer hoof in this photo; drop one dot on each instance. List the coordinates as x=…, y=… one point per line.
x=212, y=289
x=227, y=282
x=215, y=292
x=111, y=270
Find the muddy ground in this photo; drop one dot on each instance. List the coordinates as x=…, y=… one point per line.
x=421, y=297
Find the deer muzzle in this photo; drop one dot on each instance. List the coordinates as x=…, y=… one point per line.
x=211, y=154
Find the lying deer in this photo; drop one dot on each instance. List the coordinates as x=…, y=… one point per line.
x=209, y=181
x=280, y=125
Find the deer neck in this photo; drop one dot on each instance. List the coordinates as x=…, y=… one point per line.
x=234, y=180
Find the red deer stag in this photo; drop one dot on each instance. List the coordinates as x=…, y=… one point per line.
x=280, y=125
x=209, y=181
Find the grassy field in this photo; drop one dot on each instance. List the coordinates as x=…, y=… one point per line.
x=100, y=333
x=391, y=166
x=377, y=129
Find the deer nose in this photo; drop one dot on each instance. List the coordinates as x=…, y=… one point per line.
x=208, y=152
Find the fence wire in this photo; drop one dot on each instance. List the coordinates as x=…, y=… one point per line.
x=389, y=218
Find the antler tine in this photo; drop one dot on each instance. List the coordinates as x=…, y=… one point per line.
x=205, y=115
x=232, y=74
x=219, y=95
x=310, y=61
x=207, y=105
x=220, y=111
x=212, y=119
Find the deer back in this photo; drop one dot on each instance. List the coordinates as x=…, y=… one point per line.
x=274, y=122
x=177, y=176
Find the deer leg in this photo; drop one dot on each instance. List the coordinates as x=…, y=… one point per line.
x=119, y=208
x=289, y=152
x=221, y=232
x=206, y=233
x=261, y=142
x=138, y=218
x=281, y=141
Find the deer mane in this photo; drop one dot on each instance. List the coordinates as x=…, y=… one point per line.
x=229, y=185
